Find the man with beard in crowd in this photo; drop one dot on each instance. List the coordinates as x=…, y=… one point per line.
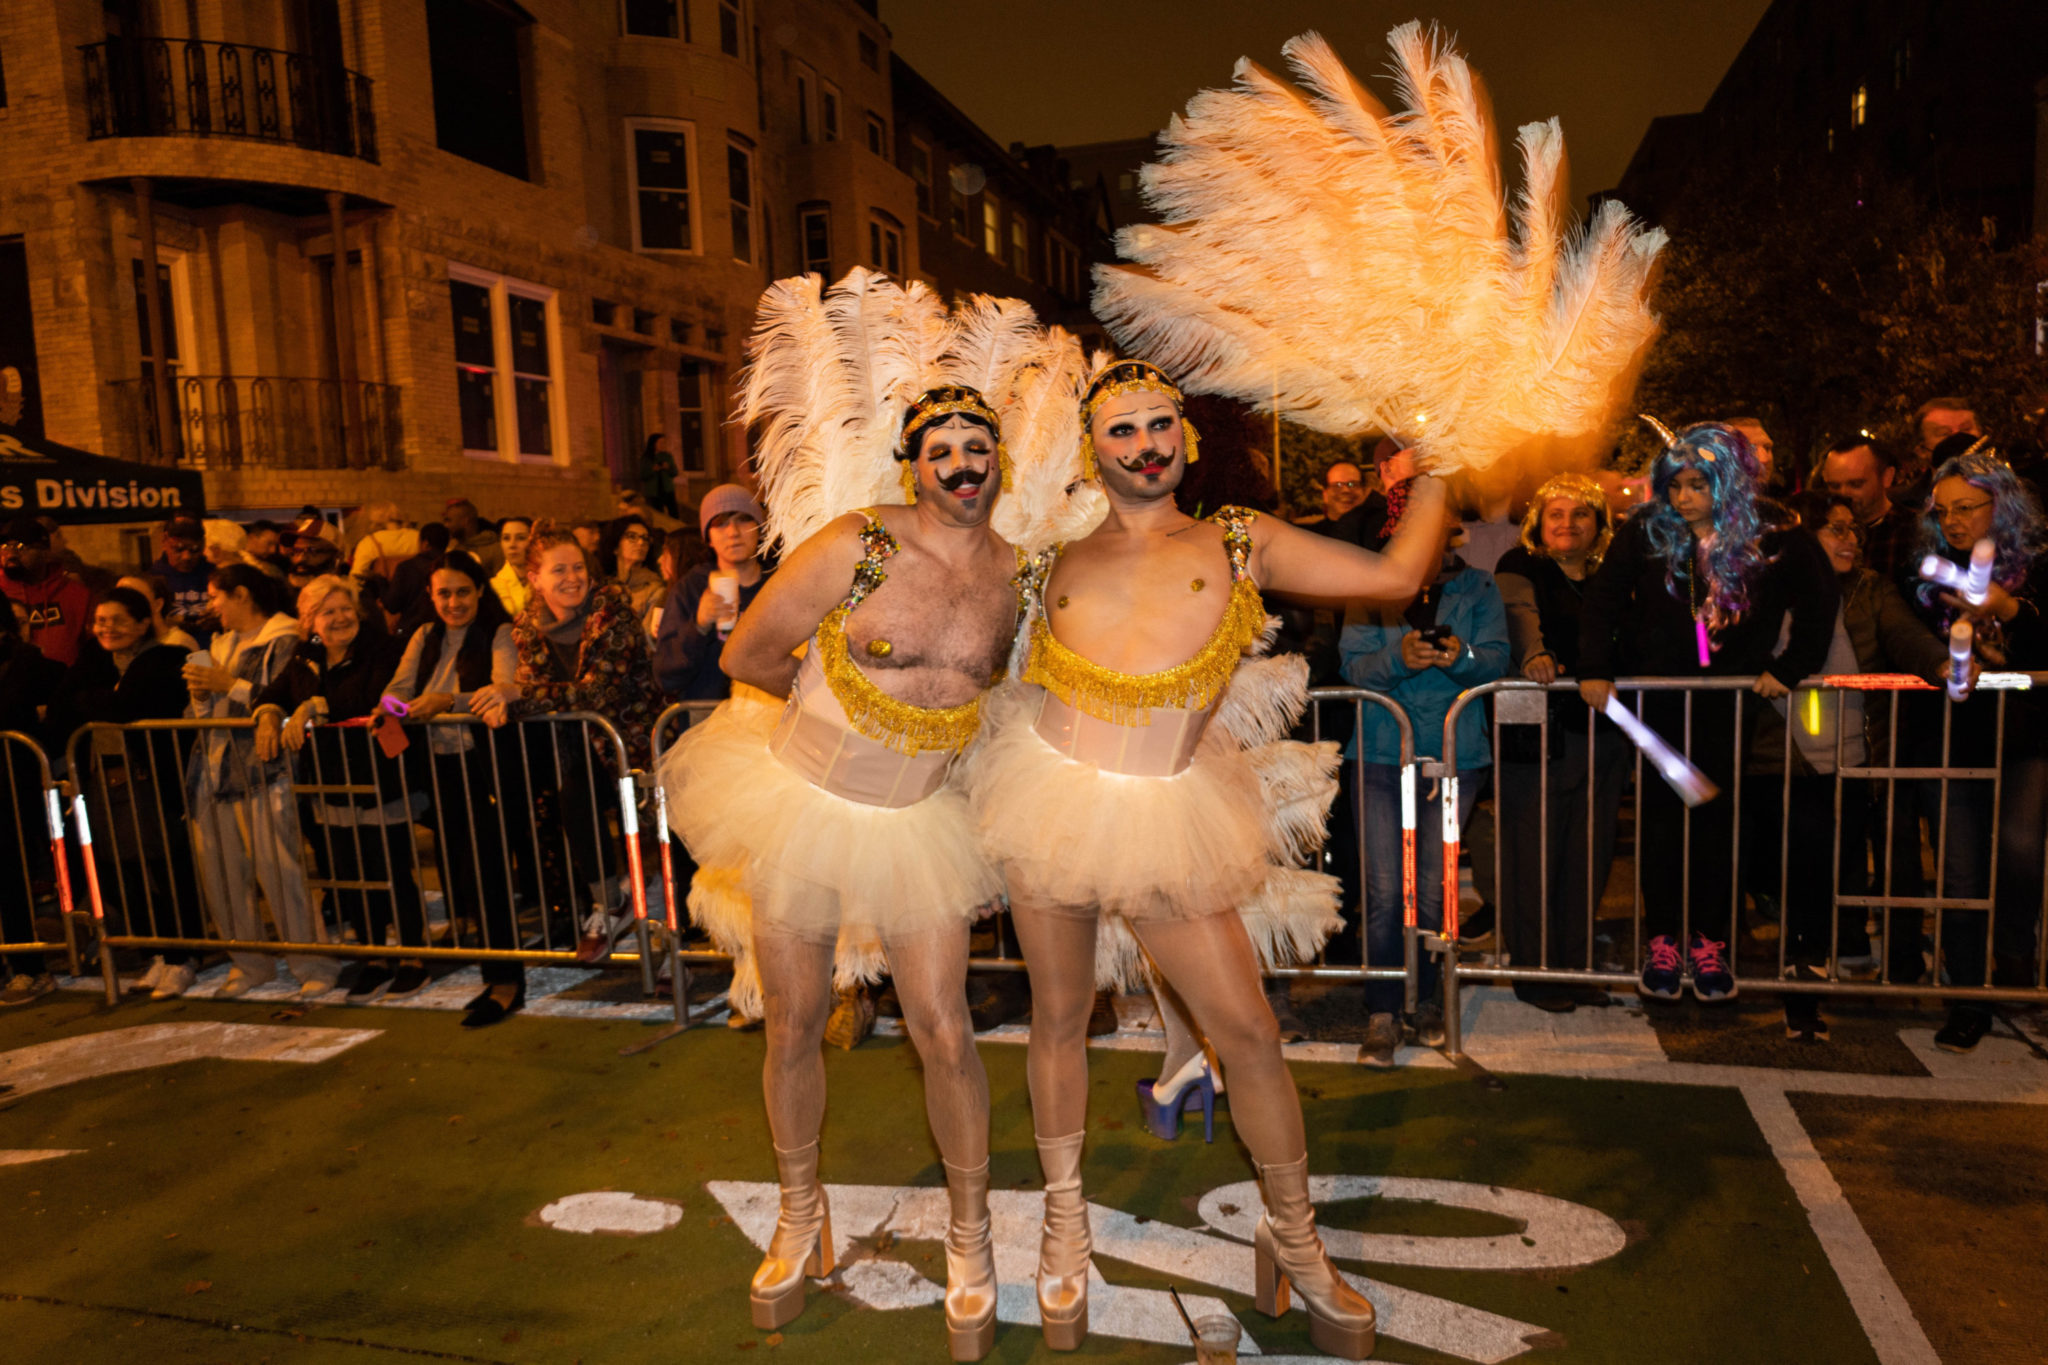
x=57, y=606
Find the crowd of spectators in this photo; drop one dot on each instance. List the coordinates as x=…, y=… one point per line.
x=1724, y=560
x=323, y=632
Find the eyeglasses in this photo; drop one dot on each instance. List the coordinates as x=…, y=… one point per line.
x=640, y=536
x=1958, y=511
x=1345, y=483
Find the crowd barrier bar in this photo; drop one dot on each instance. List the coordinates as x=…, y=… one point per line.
x=89, y=776
x=1525, y=703
x=50, y=800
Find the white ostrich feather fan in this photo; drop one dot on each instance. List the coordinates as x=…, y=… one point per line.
x=834, y=371
x=1359, y=265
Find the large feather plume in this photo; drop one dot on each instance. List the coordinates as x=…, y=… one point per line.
x=833, y=372
x=1360, y=265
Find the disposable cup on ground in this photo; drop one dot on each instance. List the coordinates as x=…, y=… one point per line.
x=1216, y=1339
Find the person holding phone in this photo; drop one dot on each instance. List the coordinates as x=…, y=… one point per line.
x=1452, y=636
x=706, y=602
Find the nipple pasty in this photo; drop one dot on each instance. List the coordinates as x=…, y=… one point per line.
x=880, y=649
x=1197, y=585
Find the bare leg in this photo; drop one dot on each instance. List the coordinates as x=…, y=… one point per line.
x=1209, y=962
x=1059, y=951
x=796, y=981
x=930, y=971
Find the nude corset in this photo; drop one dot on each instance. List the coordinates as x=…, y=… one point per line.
x=1161, y=745
x=815, y=739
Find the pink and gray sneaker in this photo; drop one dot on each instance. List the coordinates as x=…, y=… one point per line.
x=1711, y=978
x=1663, y=975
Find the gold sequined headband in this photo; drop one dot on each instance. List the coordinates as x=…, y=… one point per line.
x=1120, y=377
x=935, y=405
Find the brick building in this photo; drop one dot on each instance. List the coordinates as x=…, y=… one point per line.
x=553, y=219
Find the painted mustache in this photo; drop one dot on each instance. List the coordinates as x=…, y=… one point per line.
x=963, y=477
x=1144, y=461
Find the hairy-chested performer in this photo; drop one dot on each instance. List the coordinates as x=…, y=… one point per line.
x=1109, y=797
x=835, y=813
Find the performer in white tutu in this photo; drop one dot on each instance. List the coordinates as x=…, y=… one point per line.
x=832, y=838
x=1355, y=270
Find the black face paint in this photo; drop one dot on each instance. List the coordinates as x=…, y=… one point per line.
x=1138, y=464
x=952, y=482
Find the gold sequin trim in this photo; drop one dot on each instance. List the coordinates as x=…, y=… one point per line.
x=885, y=719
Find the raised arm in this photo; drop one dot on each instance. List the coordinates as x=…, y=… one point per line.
x=1287, y=559
x=802, y=592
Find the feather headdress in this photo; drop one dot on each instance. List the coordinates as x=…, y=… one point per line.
x=835, y=372
x=1356, y=267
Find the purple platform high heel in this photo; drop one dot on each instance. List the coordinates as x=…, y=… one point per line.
x=1164, y=1102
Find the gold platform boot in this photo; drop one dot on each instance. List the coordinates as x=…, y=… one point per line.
x=1063, y=1247
x=802, y=1245
x=970, y=1265
x=1340, y=1319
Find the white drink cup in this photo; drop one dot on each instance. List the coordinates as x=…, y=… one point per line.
x=726, y=588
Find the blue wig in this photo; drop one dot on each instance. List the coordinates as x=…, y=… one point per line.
x=2015, y=520
x=1724, y=456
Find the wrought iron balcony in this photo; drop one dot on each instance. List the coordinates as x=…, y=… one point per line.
x=175, y=87
x=248, y=422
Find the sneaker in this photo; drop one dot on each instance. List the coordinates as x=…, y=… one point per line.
x=371, y=984
x=853, y=1019
x=1711, y=979
x=1663, y=977
x=1965, y=1028
x=1803, y=1021
x=239, y=983
x=1546, y=996
x=24, y=988
x=601, y=933
x=149, y=980
x=175, y=981
x=1382, y=1037
x=313, y=987
x=1429, y=1024
x=407, y=981
x=741, y=1023
x=1857, y=967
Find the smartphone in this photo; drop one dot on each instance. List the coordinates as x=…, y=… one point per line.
x=1434, y=636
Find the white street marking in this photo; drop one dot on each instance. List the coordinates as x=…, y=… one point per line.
x=83, y=1056
x=23, y=1156
x=612, y=1211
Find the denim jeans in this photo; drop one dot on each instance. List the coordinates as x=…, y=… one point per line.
x=1379, y=798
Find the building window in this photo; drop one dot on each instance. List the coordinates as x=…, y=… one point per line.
x=506, y=357
x=1902, y=64
x=870, y=52
x=729, y=27
x=1020, y=246
x=992, y=226
x=878, y=135
x=921, y=176
x=828, y=111
x=660, y=173
x=1062, y=267
x=1831, y=139
x=168, y=295
x=885, y=245
x=814, y=232
x=656, y=18
x=691, y=382
x=957, y=208
x=1859, y=106
x=479, y=87
x=739, y=174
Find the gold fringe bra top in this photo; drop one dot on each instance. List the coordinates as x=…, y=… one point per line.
x=1145, y=724
x=848, y=736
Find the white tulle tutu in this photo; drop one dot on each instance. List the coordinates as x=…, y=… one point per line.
x=1221, y=835
x=775, y=850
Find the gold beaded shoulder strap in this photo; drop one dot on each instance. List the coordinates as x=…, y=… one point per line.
x=1128, y=698
x=869, y=710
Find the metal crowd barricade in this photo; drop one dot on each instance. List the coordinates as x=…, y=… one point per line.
x=530, y=837
x=1526, y=704
x=32, y=831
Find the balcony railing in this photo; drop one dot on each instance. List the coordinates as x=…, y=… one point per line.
x=176, y=87
x=246, y=422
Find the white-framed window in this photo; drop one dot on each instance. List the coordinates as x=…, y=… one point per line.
x=730, y=26
x=655, y=18
x=508, y=354
x=692, y=411
x=956, y=207
x=870, y=52
x=1020, y=245
x=878, y=135
x=885, y=244
x=739, y=177
x=992, y=226
x=174, y=298
x=828, y=111
x=814, y=239
x=806, y=99
x=661, y=175
x=921, y=177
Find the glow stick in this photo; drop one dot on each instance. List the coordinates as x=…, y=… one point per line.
x=1699, y=628
x=1977, y=582
x=1960, y=640
x=1689, y=782
x=1813, y=713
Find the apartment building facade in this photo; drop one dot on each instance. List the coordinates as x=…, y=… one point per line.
x=420, y=249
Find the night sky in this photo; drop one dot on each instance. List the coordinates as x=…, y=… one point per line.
x=1070, y=71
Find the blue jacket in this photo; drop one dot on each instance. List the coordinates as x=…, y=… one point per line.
x=1470, y=606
